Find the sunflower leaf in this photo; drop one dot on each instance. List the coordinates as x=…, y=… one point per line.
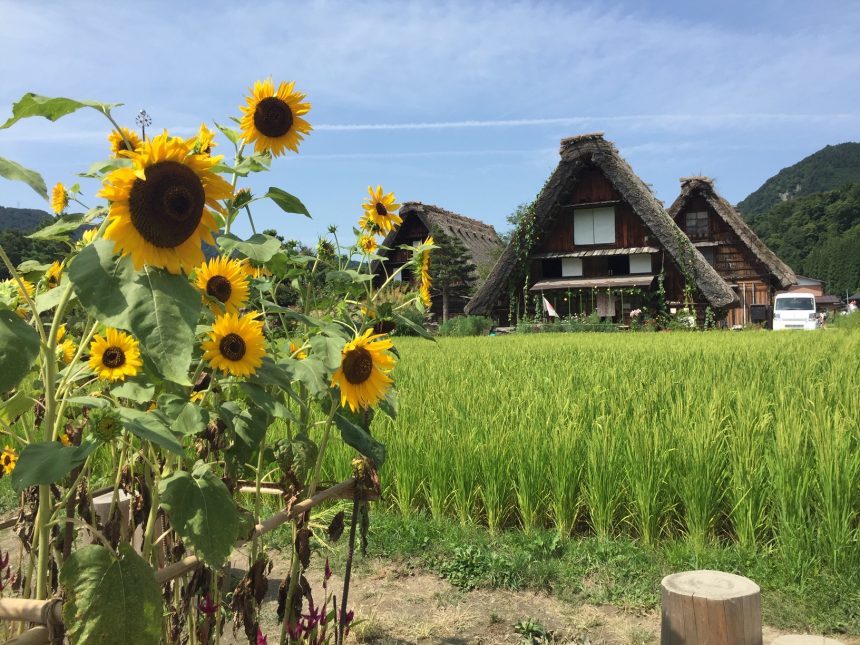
x=288, y=203
x=110, y=598
x=19, y=347
x=59, y=229
x=254, y=163
x=259, y=248
x=15, y=406
x=234, y=135
x=158, y=308
x=100, y=168
x=202, y=512
x=149, y=427
x=50, y=299
x=14, y=171
x=357, y=437
x=47, y=462
x=52, y=108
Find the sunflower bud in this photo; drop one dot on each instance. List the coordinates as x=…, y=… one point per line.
x=105, y=424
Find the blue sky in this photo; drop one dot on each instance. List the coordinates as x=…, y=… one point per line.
x=459, y=104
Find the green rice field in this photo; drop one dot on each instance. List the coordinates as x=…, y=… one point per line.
x=750, y=438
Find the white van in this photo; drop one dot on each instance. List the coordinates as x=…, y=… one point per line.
x=795, y=310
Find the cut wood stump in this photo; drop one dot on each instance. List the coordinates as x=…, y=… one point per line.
x=710, y=608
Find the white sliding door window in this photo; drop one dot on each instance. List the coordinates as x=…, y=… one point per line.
x=571, y=267
x=640, y=263
x=594, y=225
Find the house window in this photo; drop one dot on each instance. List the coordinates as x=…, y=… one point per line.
x=640, y=263
x=571, y=267
x=697, y=224
x=594, y=225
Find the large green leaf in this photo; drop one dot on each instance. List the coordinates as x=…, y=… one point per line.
x=47, y=300
x=357, y=437
x=190, y=421
x=137, y=392
x=47, y=462
x=52, y=108
x=16, y=405
x=202, y=512
x=234, y=135
x=59, y=229
x=109, y=598
x=158, y=308
x=100, y=168
x=19, y=347
x=150, y=427
x=329, y=350
x=16, y=172
x=288, y=203
x=249, y=427
x=101, y=280
x=259, y=247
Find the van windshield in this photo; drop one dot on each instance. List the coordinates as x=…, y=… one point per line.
x=795, y=304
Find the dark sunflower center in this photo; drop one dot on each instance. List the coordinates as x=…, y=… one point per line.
x=167, y=207
x=273, y=117
x=380, y=209
x=232, y=347
x=219, y=287
x=357, y=365
x=113, y=357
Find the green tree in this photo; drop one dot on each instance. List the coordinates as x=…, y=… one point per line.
x=513, y=221
x=451, y=269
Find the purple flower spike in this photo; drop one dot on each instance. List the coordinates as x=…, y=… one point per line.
x=261, y=638
x=327, y=571
x=206, y=606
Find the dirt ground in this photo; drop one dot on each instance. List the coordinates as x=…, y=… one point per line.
x=399, y=605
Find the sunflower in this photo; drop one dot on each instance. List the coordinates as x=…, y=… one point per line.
x=59, y=198
x=380, y=212
x=363, y=373
x=205, y=140
x=118, y=143
x=424, y=290
x=65, y=439
x=53, y=274
x=8, y=459
x=197, y=397
x=28, y=286
x=273, y=120
x=252, y=271
x=115, y=356
x=67, y=347
x=367, y=243
x=297, y=352
x=224, y=280
x=89, y=235
x=159, y=210
x=236, y=344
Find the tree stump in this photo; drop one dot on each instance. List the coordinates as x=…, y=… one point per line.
x=710, y=608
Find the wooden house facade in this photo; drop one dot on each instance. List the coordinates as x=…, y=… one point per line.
x=480, y=239
x=738, y=255
x=598, y=242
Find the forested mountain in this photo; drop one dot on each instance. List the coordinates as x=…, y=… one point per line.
x=817, y=235
x=828, y=169
x=26, y=220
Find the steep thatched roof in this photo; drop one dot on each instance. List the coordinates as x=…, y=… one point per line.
x=704, y=186
x=480, y=239
x=577, y=154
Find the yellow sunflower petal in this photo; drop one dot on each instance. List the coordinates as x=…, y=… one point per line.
x=225, y=281
x=115, y=355
x=363, y=373
x=272, y=119
x=236, y=344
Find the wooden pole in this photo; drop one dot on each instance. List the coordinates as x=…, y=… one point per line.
x=710, y=608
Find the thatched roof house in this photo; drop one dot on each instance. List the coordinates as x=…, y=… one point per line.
x=480, y=239
x=730, y=246
x=592, y=175
x=692, y=187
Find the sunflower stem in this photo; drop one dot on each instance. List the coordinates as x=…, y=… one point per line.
x=110, y=118
x=255, y=544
